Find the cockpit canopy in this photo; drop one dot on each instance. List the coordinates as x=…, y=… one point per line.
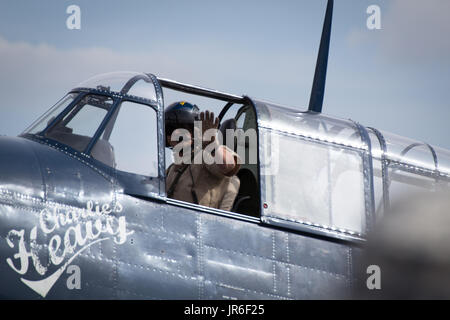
x=102, y=115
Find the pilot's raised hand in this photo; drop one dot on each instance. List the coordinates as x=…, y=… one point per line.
x=208, y=122
x=205, y=131
x=218, y=158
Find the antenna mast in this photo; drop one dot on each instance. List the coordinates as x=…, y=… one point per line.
x=320, y=75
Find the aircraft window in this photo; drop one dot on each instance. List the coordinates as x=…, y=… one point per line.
x=313, y=183
x=129, y=142
x=78, y=127
x=410, y=152
x=412, y=166
x=42, y=123
x=402, y=183
x=86, y=121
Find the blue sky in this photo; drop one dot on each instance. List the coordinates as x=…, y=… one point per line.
x=395, y=79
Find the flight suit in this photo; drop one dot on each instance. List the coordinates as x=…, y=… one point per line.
x=203, y=184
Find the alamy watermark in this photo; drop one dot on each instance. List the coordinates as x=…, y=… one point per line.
x=74, y=280
x=373, y=282
x=73, y=21
x=374, y=20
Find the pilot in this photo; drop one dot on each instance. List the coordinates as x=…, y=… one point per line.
x=198, y=178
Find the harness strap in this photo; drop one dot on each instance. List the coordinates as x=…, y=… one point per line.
x=180, y=171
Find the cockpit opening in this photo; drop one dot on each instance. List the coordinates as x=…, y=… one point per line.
x=238, y=132
x=116, y=119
